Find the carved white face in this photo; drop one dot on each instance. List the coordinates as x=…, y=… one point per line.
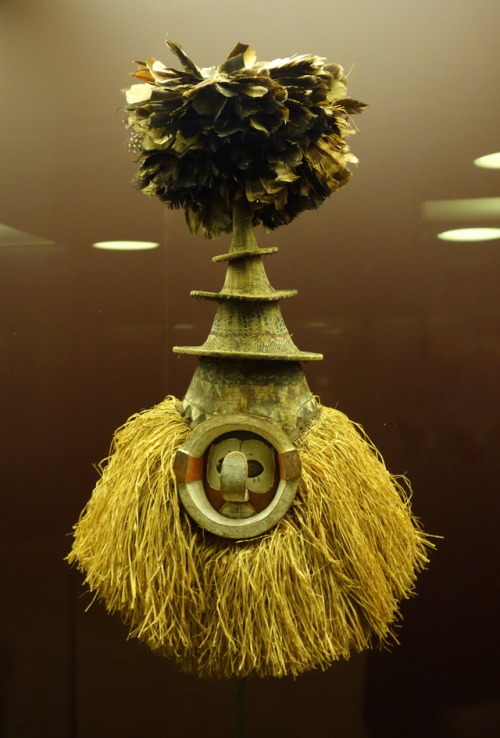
x=241, y=467
x=237, y=475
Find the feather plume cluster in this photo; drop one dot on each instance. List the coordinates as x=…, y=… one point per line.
x=270, y=134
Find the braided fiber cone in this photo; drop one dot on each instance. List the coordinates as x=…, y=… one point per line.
x=324, y=582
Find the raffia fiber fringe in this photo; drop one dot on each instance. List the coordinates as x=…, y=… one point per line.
x=324, y=582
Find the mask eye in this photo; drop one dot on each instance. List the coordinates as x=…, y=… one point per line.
x=254, y=468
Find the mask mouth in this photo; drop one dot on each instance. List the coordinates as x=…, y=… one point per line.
x=237, y=510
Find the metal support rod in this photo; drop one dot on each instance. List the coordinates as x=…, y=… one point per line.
x=241, y=731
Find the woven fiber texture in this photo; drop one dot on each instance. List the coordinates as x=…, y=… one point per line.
x=324, y=582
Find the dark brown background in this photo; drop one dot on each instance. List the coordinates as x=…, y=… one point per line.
x=409, y=327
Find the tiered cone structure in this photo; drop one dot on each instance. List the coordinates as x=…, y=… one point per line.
x=249, y=362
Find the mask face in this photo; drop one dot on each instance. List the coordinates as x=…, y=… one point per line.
x=237, y=474
x=241, y=475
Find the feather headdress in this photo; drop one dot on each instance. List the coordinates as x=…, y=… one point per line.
x=268, y=134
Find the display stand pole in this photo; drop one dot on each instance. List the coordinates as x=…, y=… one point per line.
x=241, y=708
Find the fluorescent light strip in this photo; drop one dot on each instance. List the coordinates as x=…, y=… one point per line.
x=126, y=245
x=473, y=208
x=470, y=234
x=490, y=161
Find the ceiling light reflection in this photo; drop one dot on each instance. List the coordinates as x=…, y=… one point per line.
x=470, y=234
x=490, y=161
x=13, y=237
x=126, y=245
x=472, y=208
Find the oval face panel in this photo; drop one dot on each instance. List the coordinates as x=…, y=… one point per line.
x=241, y=491
x=237, y=475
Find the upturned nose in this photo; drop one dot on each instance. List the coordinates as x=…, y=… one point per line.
x=233, y=477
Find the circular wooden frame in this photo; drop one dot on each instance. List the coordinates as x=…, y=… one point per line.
x=189, y=467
